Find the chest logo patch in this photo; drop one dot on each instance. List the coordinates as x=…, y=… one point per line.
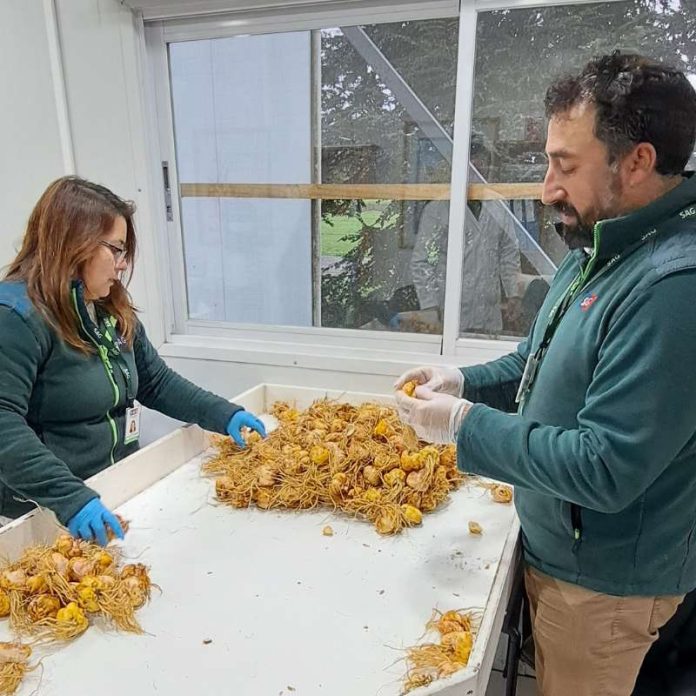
x=588, y=301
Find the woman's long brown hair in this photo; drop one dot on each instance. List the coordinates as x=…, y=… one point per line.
x=63, y=233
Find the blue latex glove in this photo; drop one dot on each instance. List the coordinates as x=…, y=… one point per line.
x=90, y=523
x=243, y=419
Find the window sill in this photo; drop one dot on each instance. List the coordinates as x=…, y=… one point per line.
x=324, y=357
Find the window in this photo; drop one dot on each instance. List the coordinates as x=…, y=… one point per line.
x=307, y=162
x=503, y=288
x=313, y=167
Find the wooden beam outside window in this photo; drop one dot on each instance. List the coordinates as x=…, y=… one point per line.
x=399, y=192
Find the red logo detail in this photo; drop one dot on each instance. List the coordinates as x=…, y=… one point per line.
x=588, y=302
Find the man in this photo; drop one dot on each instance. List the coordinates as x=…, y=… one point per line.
x=602, y=450
x=491, y=260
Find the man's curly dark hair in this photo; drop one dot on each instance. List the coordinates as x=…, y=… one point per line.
x=637, y=100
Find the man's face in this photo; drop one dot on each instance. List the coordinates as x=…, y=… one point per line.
x=580, y=184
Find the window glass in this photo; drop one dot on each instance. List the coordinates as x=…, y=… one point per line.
x=306, y=162
x=518, y=53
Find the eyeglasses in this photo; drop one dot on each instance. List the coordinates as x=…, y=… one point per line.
x=119, y=254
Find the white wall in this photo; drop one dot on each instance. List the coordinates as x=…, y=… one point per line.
x=30, y=146
x=105, y=95
x=86, y=82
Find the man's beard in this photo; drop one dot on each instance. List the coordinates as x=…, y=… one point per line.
x=577, y=235
x=580, y=234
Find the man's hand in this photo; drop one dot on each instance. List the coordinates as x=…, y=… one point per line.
x=436, y=417
x=445, y=380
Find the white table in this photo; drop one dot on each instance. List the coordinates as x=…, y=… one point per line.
x=287, y=610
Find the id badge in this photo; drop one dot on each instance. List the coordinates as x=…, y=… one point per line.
x=132, y=424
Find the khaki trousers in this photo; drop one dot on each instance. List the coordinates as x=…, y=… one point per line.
x=588, y=643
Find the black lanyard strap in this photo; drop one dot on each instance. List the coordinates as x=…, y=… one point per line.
x=559, y=310
x=114, y=342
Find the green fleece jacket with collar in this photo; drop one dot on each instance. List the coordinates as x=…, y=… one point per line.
x=62, y=419
x=603, y=453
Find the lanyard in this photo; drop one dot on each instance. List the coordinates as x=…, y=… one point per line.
x=113, y=343
x=107, y=340
x=561, y=307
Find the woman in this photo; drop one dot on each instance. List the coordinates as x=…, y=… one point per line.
x=74, y=358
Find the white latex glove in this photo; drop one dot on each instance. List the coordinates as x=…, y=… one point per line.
x=446, y=380
x=436, y=417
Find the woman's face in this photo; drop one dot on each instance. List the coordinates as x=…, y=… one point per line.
x=107, y=262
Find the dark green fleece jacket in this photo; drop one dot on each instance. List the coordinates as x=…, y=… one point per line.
x=62, y=418
x=603, y=452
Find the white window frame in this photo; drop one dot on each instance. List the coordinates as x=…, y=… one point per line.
x=188, y=338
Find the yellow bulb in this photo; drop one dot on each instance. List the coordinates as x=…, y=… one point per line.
x=381, y=428
x=372, y=495
x=391, y=478
x=4, y=604
x=412, y=515
x=372, y=475
x=87, y=598
x=42, y=607
x=36, y=583
x=411, y=462
x=73, y=615
x=253, y=437
x=460, y=642
x=502, y=494
x=409, y=388
x=103, y=559
x=64, y=544
x=319, y=455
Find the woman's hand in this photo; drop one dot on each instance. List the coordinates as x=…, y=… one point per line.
x=91, y=521
x=244, y=419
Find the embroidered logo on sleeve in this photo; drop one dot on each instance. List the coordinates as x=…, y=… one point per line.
x=588, y=301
